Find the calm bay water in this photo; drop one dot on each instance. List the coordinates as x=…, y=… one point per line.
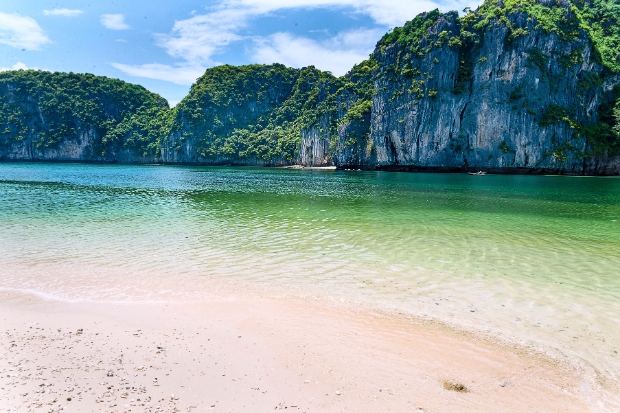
x=532, y=259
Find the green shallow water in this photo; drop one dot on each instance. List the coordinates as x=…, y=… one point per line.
x=533, y=259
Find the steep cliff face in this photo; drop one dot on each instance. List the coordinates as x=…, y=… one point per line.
x=252, y=115
x=314, y=149
x=72, y=117
x=213, y=121
x=506, y=94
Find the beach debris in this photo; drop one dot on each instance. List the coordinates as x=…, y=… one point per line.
x=79, y=331
x=110, y=373
x=455, y=386
x=337, y=392
x=504, y=383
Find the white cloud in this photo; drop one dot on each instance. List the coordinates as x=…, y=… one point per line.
x=336, y=55
x=197, y=39
x=21, y=32
x=385, y=12
x=62, y=12
x=16, y=66
x=114, y=22
x=181, y=74
x=201, y=36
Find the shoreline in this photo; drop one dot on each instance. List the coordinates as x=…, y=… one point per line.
x=348, y=168
x=308, y=354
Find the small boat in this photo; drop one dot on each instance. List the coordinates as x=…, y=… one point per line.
x=477, y=173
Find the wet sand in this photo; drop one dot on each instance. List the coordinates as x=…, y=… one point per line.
x=253, y=354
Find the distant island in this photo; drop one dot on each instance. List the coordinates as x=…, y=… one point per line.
x=515, y=86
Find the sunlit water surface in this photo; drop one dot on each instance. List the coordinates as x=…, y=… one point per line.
x=532, y=259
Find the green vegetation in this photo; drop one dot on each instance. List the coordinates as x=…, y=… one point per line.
x=555, y=19
x=604, y=136
x=52, y=107
x=553, y=115
x=560, y=152
x=589, y=81
x=142, y=131
x=357, y=111
x=503, y=146
x=466, y=68
x=412, y=32
x=516, y=94
x=601, y=19
x=538, y=59
x=572, y=59
x=253, y=112
x=616, y=128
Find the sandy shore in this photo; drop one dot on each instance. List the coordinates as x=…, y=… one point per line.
x=259, y=355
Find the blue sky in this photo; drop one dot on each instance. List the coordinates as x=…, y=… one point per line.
x=165, y=45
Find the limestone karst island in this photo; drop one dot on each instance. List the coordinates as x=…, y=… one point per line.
x=310, y=206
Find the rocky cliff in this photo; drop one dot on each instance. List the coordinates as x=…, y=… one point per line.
x=249, y=115
x=68, y=117
x=514, y=86
x=497, y=90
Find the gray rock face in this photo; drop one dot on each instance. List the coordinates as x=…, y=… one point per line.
x=80, y=149
x=71, y=150
x=314, y=149
x=498, y=123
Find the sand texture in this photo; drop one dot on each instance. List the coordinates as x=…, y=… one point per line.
x=260, y=355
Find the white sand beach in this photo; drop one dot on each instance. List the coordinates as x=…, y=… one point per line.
x=256, y=354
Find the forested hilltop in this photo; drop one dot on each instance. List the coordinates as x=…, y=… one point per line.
x=67, y=116
x=514, y=86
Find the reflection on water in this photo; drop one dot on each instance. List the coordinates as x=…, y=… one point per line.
x=534, y=259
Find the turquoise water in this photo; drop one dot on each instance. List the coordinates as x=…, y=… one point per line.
x=532, y=259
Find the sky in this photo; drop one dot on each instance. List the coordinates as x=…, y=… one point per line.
x=166, y=45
